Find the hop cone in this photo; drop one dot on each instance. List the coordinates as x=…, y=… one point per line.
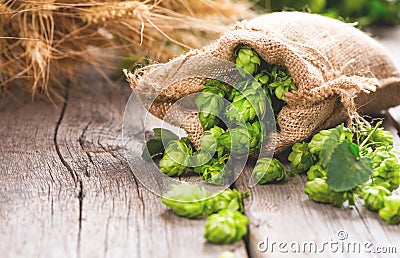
x=246, y=106
x=316, y=171
x=198, y=160
x=282, y=82
x=226, y=227
x=186, y=200
x=247, y=59
x=263, y=78
x=216, y=172
x=381, y=154
x=374, y=197
x=211, y=141
x=389, y=170
x=391, y=209
x=210, y=102
x=176, y=158
x=269, y=171
x=380, y=138
x=318, y=140
x=228, y=199
x=300, y=158
x=319, y=191
x=256, y=136
x=236, y=140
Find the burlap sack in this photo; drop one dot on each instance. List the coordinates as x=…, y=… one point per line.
x=337, y=68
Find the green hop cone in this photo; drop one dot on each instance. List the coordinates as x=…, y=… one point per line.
x=226, y=227
x=319, y=191
x=318, y=140
x=228, y=199
x=198, y=160
x=246, y=106
x=210, y=102
x=237, y=141
x=374, y=197
x=256, y=136
x=211, y=141
x=380, y=154
x=380, y=138
x=389, y=170
x=300, y=158
x=269, y=171
x=282, y=82
x=262, y=77
x=247, y=59
x=391, y=209
x=186, y=200
x=216, y=172
x=316, y=171
x=176, y=158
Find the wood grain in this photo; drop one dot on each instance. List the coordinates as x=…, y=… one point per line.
x=66, y=189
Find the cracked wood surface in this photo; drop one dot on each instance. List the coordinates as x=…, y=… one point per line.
x=66, y=189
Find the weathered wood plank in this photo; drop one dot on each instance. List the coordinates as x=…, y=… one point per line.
x=94, y=207
x=39, y=209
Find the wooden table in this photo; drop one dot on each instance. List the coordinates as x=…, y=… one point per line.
x=66, y=189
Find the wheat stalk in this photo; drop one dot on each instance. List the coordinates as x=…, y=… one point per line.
x=41, y=41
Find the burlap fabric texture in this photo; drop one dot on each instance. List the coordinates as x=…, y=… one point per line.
x=338, y=69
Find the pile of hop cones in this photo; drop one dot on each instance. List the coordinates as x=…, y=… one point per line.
x=41, y=41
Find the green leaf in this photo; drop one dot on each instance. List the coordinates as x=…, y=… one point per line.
x=155, y=147
x=330, y=144
x=346, y=169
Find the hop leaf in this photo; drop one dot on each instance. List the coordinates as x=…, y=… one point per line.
x=226, y=227
x=319, y=191
x=374, y=197
x=155, y=147
x=269, y=171
x=186, y=200
x=346, y=168
x=391, y=209
x=316, y=171
x=336, y=136
x=228, y=199
x=176, y=158
x=247, y=59
x=300, y=158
